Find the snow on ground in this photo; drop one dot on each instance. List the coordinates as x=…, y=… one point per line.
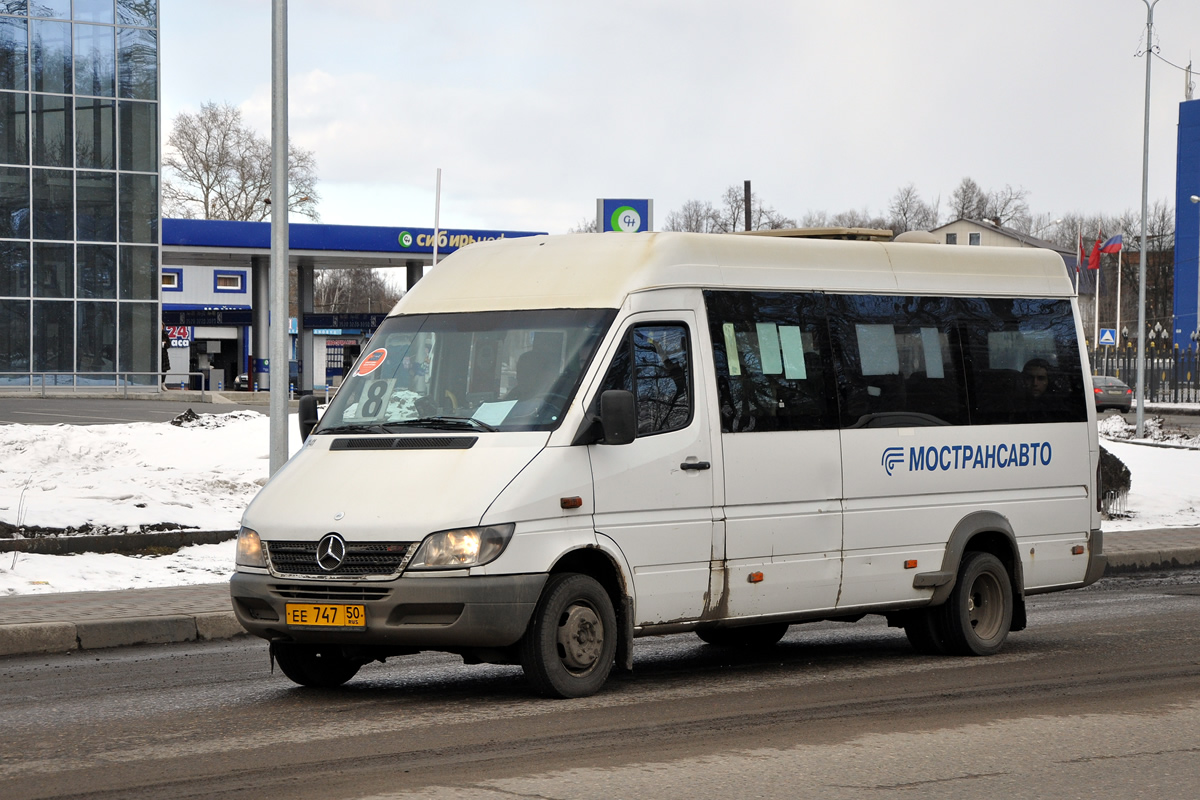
x=203, y=473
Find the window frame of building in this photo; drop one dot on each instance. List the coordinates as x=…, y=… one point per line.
x=172, y=279
x=238, y=277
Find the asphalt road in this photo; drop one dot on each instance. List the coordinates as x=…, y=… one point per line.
x=1100, y=697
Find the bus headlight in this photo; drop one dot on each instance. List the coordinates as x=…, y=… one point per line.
x=462, y=547
x=249, y=549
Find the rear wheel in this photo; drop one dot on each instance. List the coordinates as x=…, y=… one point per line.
x=319, y=666
x=571, y=643
x=976, y=619
x=753, y=636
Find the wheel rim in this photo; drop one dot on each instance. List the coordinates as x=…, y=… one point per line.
x=985, y=606
x=580, y=637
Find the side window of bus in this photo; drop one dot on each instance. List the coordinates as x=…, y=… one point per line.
x=771, y=358
x=655, y=363
x=1022, y=361
x=899, y=362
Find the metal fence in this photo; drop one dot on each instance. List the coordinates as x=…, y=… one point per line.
x=1171, y=375
x=125, y=383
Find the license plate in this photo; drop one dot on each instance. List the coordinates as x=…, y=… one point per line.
x=339, y=616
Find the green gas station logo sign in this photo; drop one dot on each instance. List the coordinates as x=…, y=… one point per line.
x=626, y=216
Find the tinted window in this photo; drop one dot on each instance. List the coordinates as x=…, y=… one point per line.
x=772, y=361
x=14, y=140
x=654, y=362
x=14, y=336
x=137, y=64
x=95, y=60
x=14, y=53
x=898, y=359
x=1022, y=361
x=95, y=133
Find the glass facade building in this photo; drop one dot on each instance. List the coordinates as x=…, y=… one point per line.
x=79, y=192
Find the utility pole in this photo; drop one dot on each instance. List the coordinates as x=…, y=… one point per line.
x=278, y=325
x=747, y=206
x=1141, y=348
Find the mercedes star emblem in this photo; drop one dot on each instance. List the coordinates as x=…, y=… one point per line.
x=331, y=551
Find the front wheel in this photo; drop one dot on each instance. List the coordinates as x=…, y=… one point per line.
x=571, y=643
x=976, y=619
x=319, y=666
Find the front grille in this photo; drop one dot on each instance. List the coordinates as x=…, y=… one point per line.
x=329, y=591
x=363, y=559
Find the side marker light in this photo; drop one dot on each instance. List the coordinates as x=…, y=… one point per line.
x=570, y=502
x=756, y=577
x=1077, y=550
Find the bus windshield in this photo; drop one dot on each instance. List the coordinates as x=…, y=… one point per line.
x=486, y=371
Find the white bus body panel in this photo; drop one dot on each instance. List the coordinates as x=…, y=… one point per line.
x=782, y=519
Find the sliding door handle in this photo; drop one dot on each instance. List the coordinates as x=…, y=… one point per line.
x=695, y=465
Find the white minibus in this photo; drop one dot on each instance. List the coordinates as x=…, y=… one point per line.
x=555, y=445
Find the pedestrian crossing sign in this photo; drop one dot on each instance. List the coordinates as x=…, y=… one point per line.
x=1108, y=336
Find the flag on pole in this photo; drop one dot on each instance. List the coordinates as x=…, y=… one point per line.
x=1094, y=258
x=1081, y=254
x=1112, y=245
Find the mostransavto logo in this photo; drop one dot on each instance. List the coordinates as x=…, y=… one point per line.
x=968, y=456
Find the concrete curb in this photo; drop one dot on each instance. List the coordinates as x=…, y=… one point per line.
x=61, y=637
x=1152, y=560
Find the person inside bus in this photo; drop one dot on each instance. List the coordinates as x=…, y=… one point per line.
x=1041, y=403
x=535, y=375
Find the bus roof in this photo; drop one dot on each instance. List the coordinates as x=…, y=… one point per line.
x=599, y=270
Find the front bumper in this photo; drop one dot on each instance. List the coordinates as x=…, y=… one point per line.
x=425, y=613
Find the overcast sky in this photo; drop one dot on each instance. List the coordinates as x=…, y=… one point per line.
x=535, y=109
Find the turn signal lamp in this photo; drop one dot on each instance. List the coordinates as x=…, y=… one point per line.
x=756, y=577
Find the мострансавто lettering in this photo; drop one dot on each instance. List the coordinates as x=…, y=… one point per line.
x=988, y=456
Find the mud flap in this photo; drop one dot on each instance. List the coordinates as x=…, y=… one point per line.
x=625, y=643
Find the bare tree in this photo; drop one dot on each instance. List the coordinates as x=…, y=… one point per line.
x=217, y=167
x=1008, y=206
x=586, y=225
x=695, y=216
x=727, y=217
x=340, y=291
x=968, y=201
x=910, y=213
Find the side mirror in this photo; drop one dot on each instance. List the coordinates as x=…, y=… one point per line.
x=618, y=416
x=308, y=415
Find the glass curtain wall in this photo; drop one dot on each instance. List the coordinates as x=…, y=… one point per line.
x=79, y=192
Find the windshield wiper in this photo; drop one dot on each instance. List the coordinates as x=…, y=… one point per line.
x=443, y=422
x=354, y=429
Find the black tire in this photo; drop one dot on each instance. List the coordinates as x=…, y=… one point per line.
x=319, y=666
x=924, y=632
x=976, y=619
x=571, y=643
x=751, y=636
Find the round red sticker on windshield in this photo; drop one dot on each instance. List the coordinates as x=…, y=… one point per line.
x=372, y=361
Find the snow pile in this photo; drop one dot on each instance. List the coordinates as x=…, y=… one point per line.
x=200, y=474
x=1114, y=427
x=33, y=573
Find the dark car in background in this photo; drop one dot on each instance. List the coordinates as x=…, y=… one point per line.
x=1111, y=392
